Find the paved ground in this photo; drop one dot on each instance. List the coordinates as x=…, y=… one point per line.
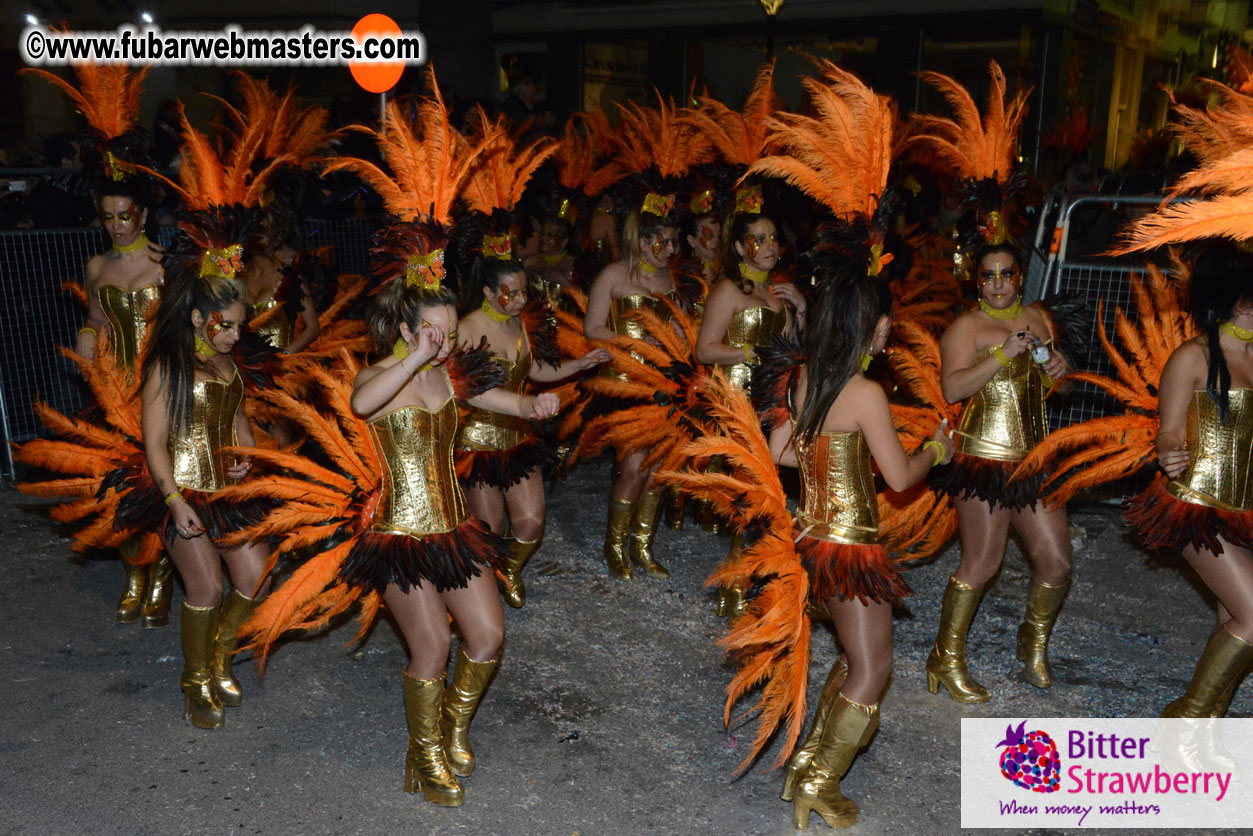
x=605, y=718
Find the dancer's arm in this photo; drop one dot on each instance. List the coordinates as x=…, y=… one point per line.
x=156, y=430
x=312, y=327
x=1184, y=372
x=596, y=320
x=874, y=417
x=711, y=340
x=375, y=386
x=532, y=407
x=961, y=375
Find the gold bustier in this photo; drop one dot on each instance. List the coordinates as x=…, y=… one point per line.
x=420, y=492
x=277, y=329
x=127, y=312
x=622, y=322
x=838, y=501
x=1004, y=419
x=756, y=327
x=1220, y=464
x=487, y=430
x=196, y=456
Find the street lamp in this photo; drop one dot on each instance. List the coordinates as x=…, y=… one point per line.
x=771, y=8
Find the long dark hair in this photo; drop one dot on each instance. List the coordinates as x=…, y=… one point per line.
x=840, y=326
x=1222, y=276
x=489, y=273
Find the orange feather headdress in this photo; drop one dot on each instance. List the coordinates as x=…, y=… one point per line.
x=741, y=137
x=662, y=138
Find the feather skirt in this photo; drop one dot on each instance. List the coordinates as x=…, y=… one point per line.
x=846, y=571
x=967, y=477
x=448, y=560
x=1166, y=522
x=144, y=508
x=506, y=468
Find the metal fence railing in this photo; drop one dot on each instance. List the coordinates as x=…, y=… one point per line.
x=37, y=315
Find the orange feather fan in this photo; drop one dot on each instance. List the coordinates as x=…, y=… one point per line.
x=841, y=156
x=579, y=154
x=107, y=95
x=295, y=133
x=1102, y=450
x=741, y=138
x=499, y=175
x=663, y=138
x=770, y=643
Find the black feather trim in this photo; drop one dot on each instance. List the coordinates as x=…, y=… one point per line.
x=541, y=332
x=773, y=378
x=1073, y=320
x=474, y=370
x=847, y=571
x=258, y=361
x=506, y=468
x=1165, y=522
x=448, y=560
x=967, y=477
x=143, y=508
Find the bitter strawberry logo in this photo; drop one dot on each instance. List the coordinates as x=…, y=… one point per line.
x=1030, y=759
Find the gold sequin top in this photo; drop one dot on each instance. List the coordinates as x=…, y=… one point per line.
x=127, y=312
x=756, y=327
x=420, y=493
x=1004, y=420
x=196, y=456
x=838, y=503
x=487, y=430
x=622, y=322
x=277, y=328
x=1220, y=465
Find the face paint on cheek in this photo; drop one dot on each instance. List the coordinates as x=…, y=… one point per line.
x=659, y=247
x=707, y=236
x=751, y=246
x=130, y=216
x=214, y=326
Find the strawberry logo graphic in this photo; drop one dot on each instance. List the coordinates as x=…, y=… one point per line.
x=1030, y=759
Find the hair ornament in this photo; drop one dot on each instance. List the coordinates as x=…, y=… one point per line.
x=498, y=246
x=425, y=270
x=222, y=263
x=658, y=204
x=702, y=203
x=748, y=200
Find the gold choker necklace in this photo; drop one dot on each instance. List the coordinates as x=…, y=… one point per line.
x=1244, y=335
x=492, y=313
x=553, y=258
x=648, y=268
x=707, y=266
x=1012, y=312
x=203, y=348
x=140, y=243
x=400, y=350
x=865, y=361
x=753, y=274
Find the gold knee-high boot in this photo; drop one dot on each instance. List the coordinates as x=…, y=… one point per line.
x=236, y=609
x=620, y=513
x=802, y=757
x=849, y=727
x=947, y=663
x=426, y=764
x=1226, y=658
x=1043, y=603
x=676, y=507
x=160, y=582
x=132, y=600
x=520, y=552
x=643, y=529
x=461, y=700
x=197, y=628
x=731, y=601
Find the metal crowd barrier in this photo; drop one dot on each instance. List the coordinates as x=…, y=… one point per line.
x=37, y=315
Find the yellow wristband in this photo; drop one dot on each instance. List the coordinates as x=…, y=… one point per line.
x=88, y=328
x=939, y=450
x=169, y=497
x=748, y=354
x=1002, y=358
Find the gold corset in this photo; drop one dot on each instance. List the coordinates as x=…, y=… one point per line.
x=420, y=492
x=127, y=312
x=539, y=287
x=1004, y=419
x=197, y=457
x=1220, y=465
x=621, y=321
x=838, y=501
x=277, y=329
x=487, y=430
x=756, y=327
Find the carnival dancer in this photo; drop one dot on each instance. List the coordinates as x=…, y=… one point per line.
x=1000, y=361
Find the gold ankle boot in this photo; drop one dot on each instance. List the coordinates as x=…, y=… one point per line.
x=426, y=765
x=643, y=529
x=1226, y=658
x=1043, y=603
x=461, y=700
x=849, y=727
x=520, y=552
x=197, y=628
x=128, y=606
x=731, y=601
x=676, y=506
x=236, y=609
x=947, y=663
x=620, y=513
x=802, y=757
x=156, y=609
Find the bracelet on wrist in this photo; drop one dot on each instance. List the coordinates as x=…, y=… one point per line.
x=1002, y=358
x=170, y=497
x=87, y=329
x=939, y=451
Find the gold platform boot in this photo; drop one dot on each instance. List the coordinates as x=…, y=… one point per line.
x=620, y=513
x=731, y=601
x=197, y=628
x=802, y=757
x=947, y=663
x=676, y=507
x=426, y=764
x=1226, y=658
x=236, y=609
x=461, y=700
x=1043, y=603
x=849, y=727
x=132, y=600
x=643, y=529
x=520, y=552
x=156, y=608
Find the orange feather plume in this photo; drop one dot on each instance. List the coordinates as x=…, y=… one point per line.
x=661, y=137
x=107, y=95
x=499, y=175
x=294, y=132
x=741, y=137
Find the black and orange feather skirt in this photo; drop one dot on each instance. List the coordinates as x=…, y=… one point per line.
x=505, y=468
x=974, y=477
x=1163, y=521
x=847, y=571
x=448, y=560
x=144, y=508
